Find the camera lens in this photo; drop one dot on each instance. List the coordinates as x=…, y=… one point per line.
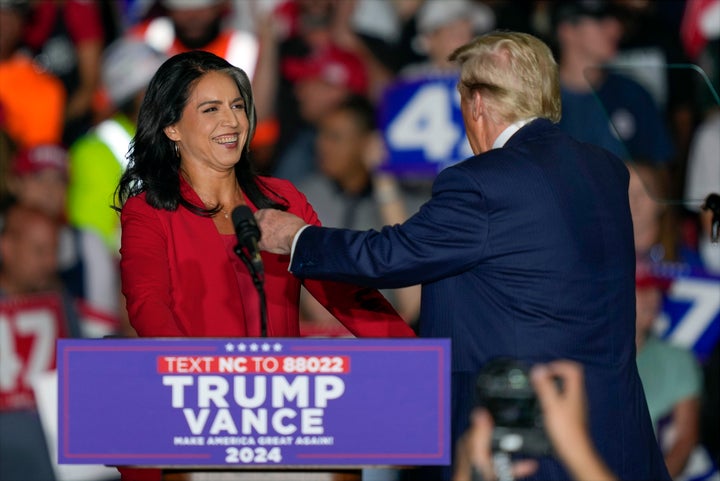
x=503, y=388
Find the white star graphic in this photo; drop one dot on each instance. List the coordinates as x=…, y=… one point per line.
x=242, y=347
x=265, y=347
x=254, y=347
x=277, y=347
x=229, y=347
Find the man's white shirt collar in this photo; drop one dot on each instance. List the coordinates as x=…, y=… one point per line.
x=510, y=131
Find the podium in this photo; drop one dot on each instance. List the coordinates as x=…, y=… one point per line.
x=260, y=409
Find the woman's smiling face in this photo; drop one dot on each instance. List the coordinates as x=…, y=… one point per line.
x=213, y=128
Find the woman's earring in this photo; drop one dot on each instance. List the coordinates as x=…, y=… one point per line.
x=177, y=149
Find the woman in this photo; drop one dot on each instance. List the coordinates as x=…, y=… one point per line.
x=189, y=168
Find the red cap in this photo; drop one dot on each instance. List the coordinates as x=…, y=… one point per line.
x=41, y=157
x=335, y=66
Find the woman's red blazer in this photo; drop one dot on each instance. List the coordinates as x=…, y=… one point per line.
x=178, y=278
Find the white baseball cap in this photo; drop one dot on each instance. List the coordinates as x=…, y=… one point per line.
x=128, y=65
x=437, y=13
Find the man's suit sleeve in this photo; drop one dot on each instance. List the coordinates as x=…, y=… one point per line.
x=447, y=236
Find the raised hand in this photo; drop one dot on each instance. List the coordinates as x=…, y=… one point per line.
x=565, y=418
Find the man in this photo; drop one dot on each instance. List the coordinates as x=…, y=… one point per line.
x=602, y=107
x=318, y=82
x=34, y=312
x=443, y=26
x=39, y=179
x=346, y=193
x=524, y=250
x=198, y=24
x=66, y=38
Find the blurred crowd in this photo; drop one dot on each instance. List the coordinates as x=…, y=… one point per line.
x=638, y=77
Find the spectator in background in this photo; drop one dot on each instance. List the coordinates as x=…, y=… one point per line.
x=650, y=52
x=67, y=38
x=98, y=159
x=319, y=80
x=601, y=107
x=305, y=42
x=198, y=24
x=408, y=34
x=33, y=100
x=345, y=194
x=672, y=380
x=88, y=271
x=445, y=25
x=649, y=211
x=656, y=228
x=346, y=157
x=384, y=34
x=29, y=253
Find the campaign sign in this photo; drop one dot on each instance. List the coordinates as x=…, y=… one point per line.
x=422, y=126
x=691, y=309
x=234, y=402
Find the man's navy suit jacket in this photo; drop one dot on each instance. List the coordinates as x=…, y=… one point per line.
x=523, y=251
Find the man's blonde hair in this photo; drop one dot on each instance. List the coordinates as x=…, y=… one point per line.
x=515, y=72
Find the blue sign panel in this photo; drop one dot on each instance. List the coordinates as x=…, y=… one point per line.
x=691, y=309
x=221, y=402
x=423, y=127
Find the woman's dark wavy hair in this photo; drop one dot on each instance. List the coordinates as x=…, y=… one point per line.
x=153, y=165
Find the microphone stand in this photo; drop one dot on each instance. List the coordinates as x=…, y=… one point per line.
x=258, y=280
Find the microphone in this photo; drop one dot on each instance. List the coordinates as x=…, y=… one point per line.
x=248, y=235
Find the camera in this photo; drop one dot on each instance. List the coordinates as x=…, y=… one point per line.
x=503, y=387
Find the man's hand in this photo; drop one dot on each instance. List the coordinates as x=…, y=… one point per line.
x=277, y=230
